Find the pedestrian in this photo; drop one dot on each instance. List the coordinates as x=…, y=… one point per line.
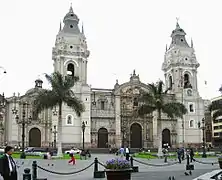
x=121, y=152
x=179, y=155
x=71, y=153
x=183, y=153
x=7, y=165
x=191, y=155
x=127, y=152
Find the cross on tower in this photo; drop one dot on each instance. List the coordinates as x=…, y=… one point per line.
x=177, y=19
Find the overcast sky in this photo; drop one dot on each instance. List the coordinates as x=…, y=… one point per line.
x=122, y=35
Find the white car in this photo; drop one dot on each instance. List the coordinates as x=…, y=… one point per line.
x=76, y=151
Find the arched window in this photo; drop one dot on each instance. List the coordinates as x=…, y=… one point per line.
x=187, y=83
x=135, y=102
x=170, y=82
x=71, y=70
x=69, y=120
x=191, y=123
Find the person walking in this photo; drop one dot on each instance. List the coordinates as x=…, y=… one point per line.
x=8, y=168
x=191, y=155
x=127, y=152
x=179, y=153
x=73, y=160
x=121, y=152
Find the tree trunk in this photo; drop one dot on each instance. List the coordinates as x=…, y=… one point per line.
x=159, y=133
x=59, y=132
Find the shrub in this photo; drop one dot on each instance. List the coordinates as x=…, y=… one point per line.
x=117, y=164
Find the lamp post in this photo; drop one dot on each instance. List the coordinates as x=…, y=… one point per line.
x=204, y=155
x=83, y=134
x=24, y=121
x=54, y=136
x=2, y=133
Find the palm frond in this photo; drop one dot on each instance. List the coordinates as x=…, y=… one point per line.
x=45, y=99
x=75, y=104
x=145, y=109
x=52, y=81
x=146, y=98
x=217, y=113
x=174, y=109
x=215, y=105
x=70, y=81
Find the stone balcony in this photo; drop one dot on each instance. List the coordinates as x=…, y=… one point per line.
x=102, y=114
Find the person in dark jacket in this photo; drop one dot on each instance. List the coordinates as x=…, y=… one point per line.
x=191, y=155
x=7, y=165
x=179, y=153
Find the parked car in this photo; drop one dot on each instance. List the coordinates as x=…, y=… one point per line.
x=36, y=151
x=76, y=151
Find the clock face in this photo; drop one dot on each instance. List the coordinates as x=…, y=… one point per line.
x=189, y=92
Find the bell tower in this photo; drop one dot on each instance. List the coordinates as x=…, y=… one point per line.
x=70, y=55
x=180, y=70
x=70, y=52
x=180, y=64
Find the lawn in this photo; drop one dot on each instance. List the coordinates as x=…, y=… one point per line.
x=16, y=155
x=147, y=155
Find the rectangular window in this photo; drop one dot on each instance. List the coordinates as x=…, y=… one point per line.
x=102, y=105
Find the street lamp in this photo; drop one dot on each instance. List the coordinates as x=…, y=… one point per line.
x=204, y=155
x=83, y=134
x=54, y=136
x=24, y=121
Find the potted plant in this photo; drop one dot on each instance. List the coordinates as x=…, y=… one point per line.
x=220, y=161
x=118, y=169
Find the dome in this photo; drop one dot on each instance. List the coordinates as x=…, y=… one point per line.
x=34, y=90
x=37, y=88
x=71, y=16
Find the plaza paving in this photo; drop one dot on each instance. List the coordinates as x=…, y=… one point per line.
x=146, y=172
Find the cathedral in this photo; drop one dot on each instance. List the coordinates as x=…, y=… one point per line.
x=108, y=115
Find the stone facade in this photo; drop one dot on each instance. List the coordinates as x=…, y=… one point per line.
x=109, y=115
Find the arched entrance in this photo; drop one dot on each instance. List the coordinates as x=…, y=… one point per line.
x=102, y=138
x=166, y=137
x=35, y=137
x=136, y=136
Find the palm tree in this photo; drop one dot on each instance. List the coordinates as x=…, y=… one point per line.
x=60, y=93
x=215, y=109
x=154, y=100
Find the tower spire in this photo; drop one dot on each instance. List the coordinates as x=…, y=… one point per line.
x=166, y=48
x=177, y=24
x=82, y=29
x=71, y=9
x=60, y=26
x=191, y=43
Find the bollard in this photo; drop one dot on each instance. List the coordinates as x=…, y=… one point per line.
x=165, y=158
x=96, y=165
x=97, y=173
x=134, y=168
x=34, y=170
x=27, y=175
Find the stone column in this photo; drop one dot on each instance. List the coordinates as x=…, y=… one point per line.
x=118, y=121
